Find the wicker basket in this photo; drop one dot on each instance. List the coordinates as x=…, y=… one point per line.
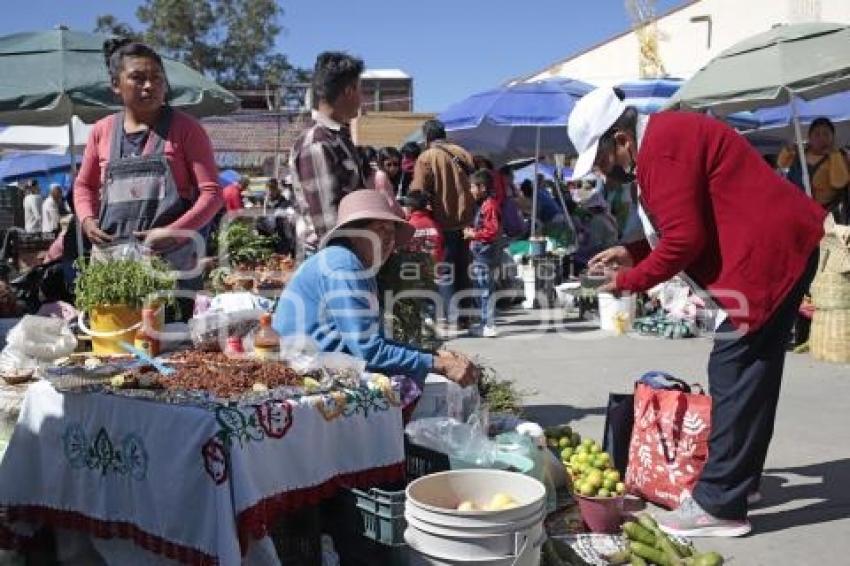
x=829, y=339
x=831, y=290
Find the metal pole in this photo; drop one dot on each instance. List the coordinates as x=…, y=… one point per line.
x=72, y=150
x=536, y=185
x=801, y=151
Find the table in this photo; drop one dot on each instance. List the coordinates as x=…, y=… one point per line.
x=195, y=484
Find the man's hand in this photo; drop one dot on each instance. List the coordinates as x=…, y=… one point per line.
x=93, y=232
x=612, y=258
x=468, y=233
x=457, y=368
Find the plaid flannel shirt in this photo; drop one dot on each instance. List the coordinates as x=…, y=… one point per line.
x=325, y=167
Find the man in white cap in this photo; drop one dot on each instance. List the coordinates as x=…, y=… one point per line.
x=745, y=238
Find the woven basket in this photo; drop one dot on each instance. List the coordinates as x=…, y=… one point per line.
x=835, y=251
x=831, y=290
x=829, y=339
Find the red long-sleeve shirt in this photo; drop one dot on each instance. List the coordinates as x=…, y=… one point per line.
x=488, y=225
x=428, y=236
x=189, y=154
x=723, y=215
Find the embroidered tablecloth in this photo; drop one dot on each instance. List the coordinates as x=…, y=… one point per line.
x=197, y=484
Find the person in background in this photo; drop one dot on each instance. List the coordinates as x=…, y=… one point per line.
x=428, y=238
x=409, y=154
x=368, y=163
x=596, y=227
x=332, y=297
x=51, y=211
x=744, y=238
x=487, y=246
x=32, y=207
x=122, y=192
x=388, y=175
x=827, y=167
x=324, y=162
x=232, y=194
x=443, y=171
x=278, y=218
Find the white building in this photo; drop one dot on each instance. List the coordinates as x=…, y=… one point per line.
x=689, y=36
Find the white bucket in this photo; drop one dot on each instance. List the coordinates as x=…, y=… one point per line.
x=611, y=307
x=439, y=535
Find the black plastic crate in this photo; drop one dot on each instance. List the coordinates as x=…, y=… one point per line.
x=297, y=537
x=420, y=461
x=383, y=514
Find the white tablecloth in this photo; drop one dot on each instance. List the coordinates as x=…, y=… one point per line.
x=196, y=484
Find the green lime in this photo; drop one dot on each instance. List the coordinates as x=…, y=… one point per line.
x=613, y=475
x=566, y=454
x=564, y=442
x=603, y=493
x=620, y=488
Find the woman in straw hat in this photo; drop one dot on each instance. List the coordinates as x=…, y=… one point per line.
x=333, y=297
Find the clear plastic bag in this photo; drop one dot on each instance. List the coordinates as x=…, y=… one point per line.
x=467, y=441
x=212, y=329
x=35, y=342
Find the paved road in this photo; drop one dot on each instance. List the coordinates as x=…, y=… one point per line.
x=567, y=370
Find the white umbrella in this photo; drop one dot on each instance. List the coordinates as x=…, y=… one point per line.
x=45, y=139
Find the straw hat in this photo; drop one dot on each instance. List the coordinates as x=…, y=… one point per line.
x=367, y=204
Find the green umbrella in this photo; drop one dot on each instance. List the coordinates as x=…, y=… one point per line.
x=48, y=77
x=770, y=69
x=805, y=60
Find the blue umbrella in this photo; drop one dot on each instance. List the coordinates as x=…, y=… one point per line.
x=506, y=122
x=651, y=95
x=775, y=125
x=17, y=165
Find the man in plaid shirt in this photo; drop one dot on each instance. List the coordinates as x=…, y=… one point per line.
x=324, y=162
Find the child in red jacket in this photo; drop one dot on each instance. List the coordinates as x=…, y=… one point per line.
x=428, y=238
x=487, y=246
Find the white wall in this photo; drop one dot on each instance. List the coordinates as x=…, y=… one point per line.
x=683, y=44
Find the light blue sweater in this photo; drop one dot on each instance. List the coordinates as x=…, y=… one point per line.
x=334, y=300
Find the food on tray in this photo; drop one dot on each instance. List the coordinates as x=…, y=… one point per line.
x=647, y=544
x=223, y=376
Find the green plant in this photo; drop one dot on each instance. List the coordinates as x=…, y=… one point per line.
x=243, y=244
x=500, y=394
x=122, y=282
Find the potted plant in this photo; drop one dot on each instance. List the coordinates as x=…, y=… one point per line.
x=113, y=292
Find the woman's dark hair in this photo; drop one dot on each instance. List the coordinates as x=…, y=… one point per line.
x=411, y=149
x=368, y=155
x=822, y=121
x=527, y=188
x=386, y=153
x=418, y=200
x=482, y=177
x=334, y=72
x=433, y=130
x=482, y=162
x=116, y=48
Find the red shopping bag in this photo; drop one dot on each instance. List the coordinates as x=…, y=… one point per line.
x=669, y=444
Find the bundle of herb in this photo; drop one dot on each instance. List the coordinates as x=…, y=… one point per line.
x=241, y=242
x=122, y=282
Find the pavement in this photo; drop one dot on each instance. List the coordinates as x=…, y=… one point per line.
x=566, y=368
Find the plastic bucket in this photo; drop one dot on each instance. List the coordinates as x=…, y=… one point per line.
x=601, y=514
x=616, y=313
x=438, y=534
x=112, y=324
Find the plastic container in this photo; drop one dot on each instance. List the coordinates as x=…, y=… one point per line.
x=438, y=534
x=540, y=458
x=601, y=514
x=383, y=514
x=616, y=313
x=110, y=325
x=266, y=340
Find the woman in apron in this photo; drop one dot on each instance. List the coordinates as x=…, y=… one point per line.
x=148, y=173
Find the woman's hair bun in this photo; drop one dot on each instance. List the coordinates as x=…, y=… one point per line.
x=113, y=44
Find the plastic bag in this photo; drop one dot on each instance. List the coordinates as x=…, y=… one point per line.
x=464, y=441
x=42, y=338
x=131, y=250
x=35, y=341
x=212, y=329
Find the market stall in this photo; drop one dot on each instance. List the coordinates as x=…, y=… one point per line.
x=185, y=474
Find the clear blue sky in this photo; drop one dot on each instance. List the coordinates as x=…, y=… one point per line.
x=452, y=48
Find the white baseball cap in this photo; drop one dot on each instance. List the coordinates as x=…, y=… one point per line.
x=591, y=117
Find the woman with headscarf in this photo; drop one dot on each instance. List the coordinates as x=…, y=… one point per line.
x=148, y=172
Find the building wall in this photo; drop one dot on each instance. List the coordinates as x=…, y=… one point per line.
x=380, y=129
x=387, y=95
x=683, y=44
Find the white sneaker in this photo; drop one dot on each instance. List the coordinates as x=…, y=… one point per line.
x=489, y=332
x=691, y=520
